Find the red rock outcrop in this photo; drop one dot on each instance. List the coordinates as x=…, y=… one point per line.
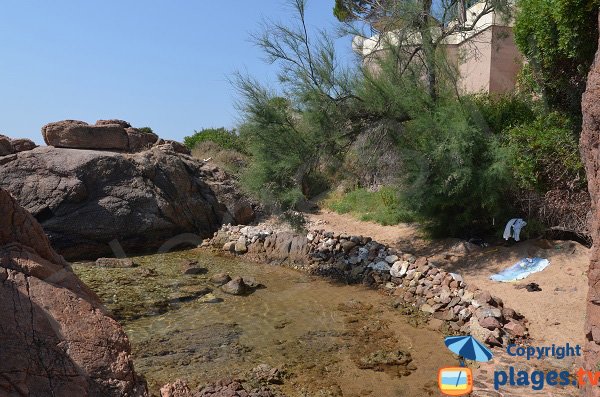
x=85, y=199
x=590, y=151
x=23, y=145
x=56, y=339
x=75, y=134
x=6, y=146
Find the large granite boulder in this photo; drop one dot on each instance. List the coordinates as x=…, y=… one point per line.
x=590, y=151
x=121, y=123
x=241, y=209
x=23, y=144
x=80, y=135
x=86, y=200
x=56, y=339
x=6, y=146
x=140, y=140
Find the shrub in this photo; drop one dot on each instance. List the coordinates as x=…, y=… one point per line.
x=295, y=220
x=231, y=160
x=501, y=111
x=559, y=39
x=281, y=152
x=383, y=206
x=545, y=154
x=226, y=139
x=146, y=130
x=457, y=177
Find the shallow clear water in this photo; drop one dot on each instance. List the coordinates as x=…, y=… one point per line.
x=329, y=339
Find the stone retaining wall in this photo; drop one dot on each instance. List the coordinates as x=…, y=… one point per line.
x=357, y=259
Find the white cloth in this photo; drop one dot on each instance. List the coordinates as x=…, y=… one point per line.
x=508, y=228
x=513, y=228
x=517, y=226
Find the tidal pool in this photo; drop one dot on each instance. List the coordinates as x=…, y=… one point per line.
x=326, y=338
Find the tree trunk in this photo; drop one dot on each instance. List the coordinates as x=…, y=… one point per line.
x=590, y=151
x=428, y=49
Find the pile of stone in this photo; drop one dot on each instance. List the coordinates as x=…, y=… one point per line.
x=358, y=259
x=11, y=146
x=114, y=135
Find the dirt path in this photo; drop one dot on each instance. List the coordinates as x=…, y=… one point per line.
x=556, y=313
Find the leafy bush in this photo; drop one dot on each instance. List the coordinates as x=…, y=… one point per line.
x=146, y=130
x=227, y=139
x=295, y=134
x=559, y=39
x=295, y=220
x=281, y=153
x=545, y=154
x=231, y=160
x=501, y=111
x=457, y=177
x=383, y=206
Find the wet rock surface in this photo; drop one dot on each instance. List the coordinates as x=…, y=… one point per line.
x=237, y=286
x=57, y=339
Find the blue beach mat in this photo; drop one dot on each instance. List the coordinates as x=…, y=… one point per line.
x=521, y=269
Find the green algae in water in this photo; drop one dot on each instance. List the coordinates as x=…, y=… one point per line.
x=298, y=323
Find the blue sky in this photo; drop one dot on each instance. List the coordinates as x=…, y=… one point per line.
x=158, y=63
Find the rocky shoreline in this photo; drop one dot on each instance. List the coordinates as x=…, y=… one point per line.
x=409, y=280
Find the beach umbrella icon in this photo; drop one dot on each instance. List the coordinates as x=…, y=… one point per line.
x=469, y=348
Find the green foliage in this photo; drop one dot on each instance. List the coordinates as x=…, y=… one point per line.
x=545, y=153
x=280, y=152
x=559, y=39
x=461, y=158
x=457, y=175
x=231, y=160
x=295, y=219
x=383, y=206
x=146, y=130
x=499, y=112
x=348, y=10
x=226, y=139
x=292, y=134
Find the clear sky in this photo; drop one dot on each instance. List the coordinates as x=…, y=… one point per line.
x=158, y=63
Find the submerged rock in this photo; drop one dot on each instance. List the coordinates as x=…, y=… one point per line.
x=222, y=388
x=264, y=373
x=192, y=268
x=115, y=262
x=69, y=346
x=179, y=388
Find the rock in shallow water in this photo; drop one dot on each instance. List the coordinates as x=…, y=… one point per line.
x=264, y=373
x=237, y=286
x=241, y=286
x=222, y=388
x=192, y=268
x=220, y=279
x=115, y=262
